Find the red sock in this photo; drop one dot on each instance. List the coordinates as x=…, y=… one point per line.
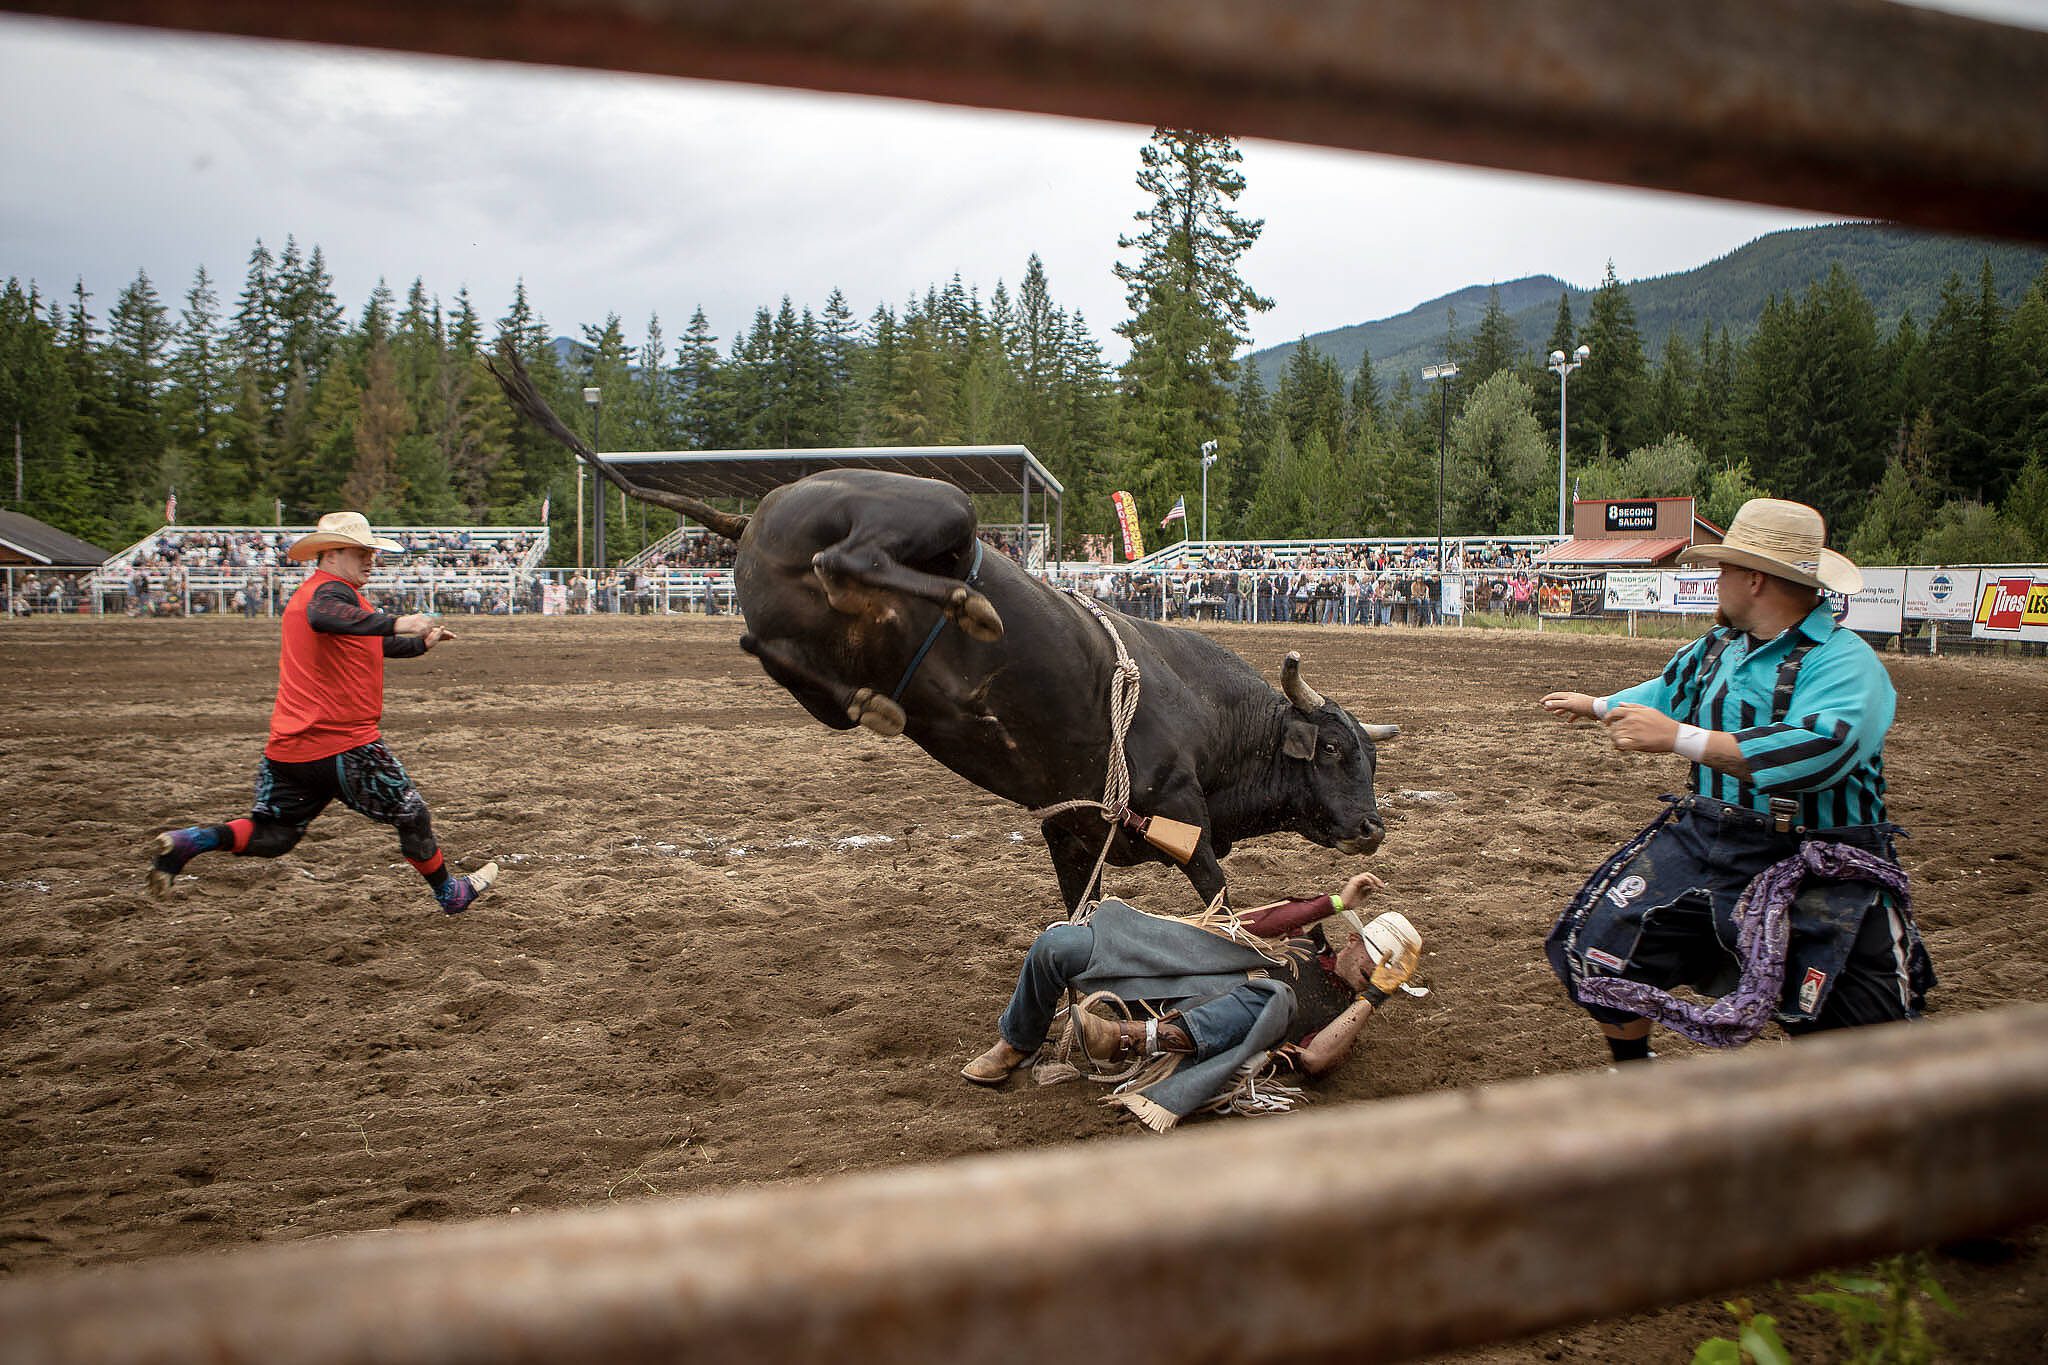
x=240, y=830
x=431, y=869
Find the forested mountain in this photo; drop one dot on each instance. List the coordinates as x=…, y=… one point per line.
x=1897, y=382
x=1897, y=270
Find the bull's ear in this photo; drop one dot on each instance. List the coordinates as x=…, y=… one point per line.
x=1298, y=739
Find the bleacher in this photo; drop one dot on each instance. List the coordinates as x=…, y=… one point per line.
x=1463, y=552
x=195, y=569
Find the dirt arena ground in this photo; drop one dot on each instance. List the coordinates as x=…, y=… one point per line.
x=734, y=947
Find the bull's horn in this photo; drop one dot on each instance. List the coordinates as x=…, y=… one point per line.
x=1380, y=733
x=1304, y=697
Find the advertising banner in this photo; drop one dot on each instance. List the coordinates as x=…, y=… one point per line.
x=1454, y=598
x=554, y=600
x=2011, y=606
x=1940, y=594
x=1127, y=518
x=1692, y=593
x=1879, y=608
x=1635, y=590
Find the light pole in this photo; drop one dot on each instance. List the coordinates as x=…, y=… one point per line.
x=595, y=397
x=1208, y=458
x=1442, y=374
x=1563, y=368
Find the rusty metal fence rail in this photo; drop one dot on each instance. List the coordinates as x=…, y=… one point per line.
x=1855, y=107
x=1376, y=1231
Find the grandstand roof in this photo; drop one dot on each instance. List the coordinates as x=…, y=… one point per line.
x=753, y=473
x=43, y=545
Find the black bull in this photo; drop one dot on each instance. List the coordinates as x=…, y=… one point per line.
x=843, y=577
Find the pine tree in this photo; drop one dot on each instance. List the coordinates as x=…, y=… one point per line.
x=1189, y=307
x=1609, y=392
x=131, y=438
x=1495, y=345
x=1311, y=395
x=1363, y=407
x=257, y=330
x=2019, y=394
x=699, y=423
x=1960, y=346
x=1767, y=398
x=839, y=338
x=1675, y=387
x=36, y=408
x=198, y=370
x=1244, y=466
x=1840, y=390
x=307, y=310
x=373, y=486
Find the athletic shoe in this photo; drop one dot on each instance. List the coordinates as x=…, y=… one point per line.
x=461, y=892
x=173, y=849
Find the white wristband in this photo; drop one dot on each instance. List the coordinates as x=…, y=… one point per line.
x=1691, y=743
x=1600, y=708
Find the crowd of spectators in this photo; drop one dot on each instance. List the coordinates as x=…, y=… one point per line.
x=452, y=550
x=705, y=551
x=33, y=592
x=1313, y=593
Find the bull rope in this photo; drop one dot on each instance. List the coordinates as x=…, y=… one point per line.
x=1115, y=804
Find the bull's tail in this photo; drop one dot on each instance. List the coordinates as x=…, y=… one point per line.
x=510, y=372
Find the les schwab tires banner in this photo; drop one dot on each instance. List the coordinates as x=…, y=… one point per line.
x=2011, y=606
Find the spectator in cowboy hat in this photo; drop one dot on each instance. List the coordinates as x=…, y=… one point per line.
x=324, y=737
x=1770, y=887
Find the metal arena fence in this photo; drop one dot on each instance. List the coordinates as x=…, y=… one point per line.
x=1901, y=610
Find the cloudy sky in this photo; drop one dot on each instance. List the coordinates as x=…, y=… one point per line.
x=122, y=150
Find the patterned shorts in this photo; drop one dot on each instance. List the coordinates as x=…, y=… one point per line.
x=368, y=779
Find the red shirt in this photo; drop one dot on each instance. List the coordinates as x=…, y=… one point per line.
x=330, y=687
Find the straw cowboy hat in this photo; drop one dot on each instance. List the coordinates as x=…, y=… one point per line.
x=1782, y=539
x=339, y=529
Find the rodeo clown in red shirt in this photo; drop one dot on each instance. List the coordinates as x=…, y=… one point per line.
x=324, y=741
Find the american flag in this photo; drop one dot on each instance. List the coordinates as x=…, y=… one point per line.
x=1179, y=512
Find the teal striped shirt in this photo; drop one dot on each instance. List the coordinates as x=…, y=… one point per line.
x=1828, y=750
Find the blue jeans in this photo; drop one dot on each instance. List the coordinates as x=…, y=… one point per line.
x=1061, y=953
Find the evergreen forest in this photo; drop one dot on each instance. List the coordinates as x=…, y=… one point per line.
x=1923, y=436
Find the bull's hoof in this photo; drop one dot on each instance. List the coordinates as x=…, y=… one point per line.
x=974, y=614
x=876, y=712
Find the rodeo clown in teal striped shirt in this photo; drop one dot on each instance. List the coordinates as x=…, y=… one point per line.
x=1772, y=886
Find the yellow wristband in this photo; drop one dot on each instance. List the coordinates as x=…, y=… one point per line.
x=1336, y=902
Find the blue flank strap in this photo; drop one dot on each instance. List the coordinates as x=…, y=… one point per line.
x=973, y=572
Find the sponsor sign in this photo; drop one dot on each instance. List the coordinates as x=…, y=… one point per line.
x=1692, y=593
x=1940, y=594
x=1639, y=517
x=1454, y=598
x=1635, y=590
x=1880, y=608
x=2011, y=606
x=1127, y=519
x=554, y=600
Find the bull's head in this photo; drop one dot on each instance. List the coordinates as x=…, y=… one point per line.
x=1337, y=809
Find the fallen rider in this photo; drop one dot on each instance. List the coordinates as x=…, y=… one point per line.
x=1205, y=1014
